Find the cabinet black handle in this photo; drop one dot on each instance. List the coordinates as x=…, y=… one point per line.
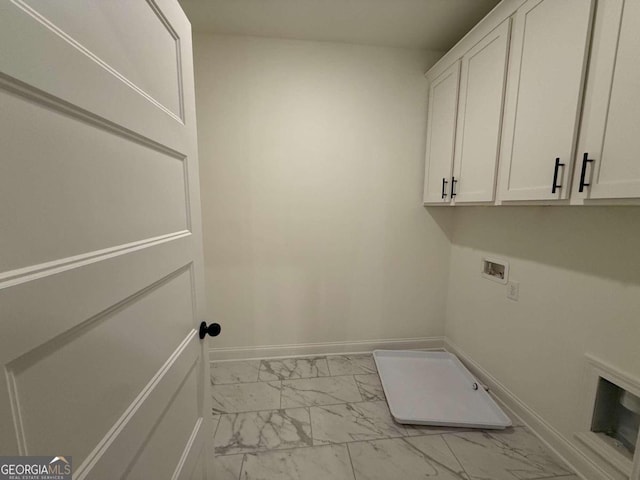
x=453, y=186
x=444, y=184
x=583, y=172
x=555, y=185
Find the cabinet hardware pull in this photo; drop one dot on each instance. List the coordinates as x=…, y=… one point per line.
x=453, y=186
x=555, y=185
x=583, y=172
x=444, y=184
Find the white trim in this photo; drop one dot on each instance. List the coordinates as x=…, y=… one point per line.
x=552, y=438
x=191, y=453
x=328, y=348
x=606, y=455
x=143, y=411
x=635, y=472
x=615, y=375
x=12, y=278
x=78, y=46
x=492, y=20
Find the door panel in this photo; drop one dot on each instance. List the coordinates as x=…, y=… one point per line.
x=138, y=423
x=616, y=166
x=543, y=97
x=35, y=294
x=482, y=82
x=177, y=423
x=101, y=274
x=137, y=194
x=137, y=42
x=144, y=331
x=60, y=68
x=441, y=131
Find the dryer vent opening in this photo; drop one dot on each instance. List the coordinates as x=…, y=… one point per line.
x=616, y=414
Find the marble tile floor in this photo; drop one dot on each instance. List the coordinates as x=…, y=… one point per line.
x=327, y=418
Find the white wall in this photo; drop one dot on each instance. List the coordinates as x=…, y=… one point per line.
x=311, y=160
x=579, y=274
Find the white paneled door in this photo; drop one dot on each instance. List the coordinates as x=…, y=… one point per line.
x=100, y=239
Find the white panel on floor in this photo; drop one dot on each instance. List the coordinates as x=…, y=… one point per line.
x=434, y=388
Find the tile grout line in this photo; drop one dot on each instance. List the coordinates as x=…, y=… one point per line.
x=302, y=392
x=455, y=456
x=358, y=387
x=257, y=376
x=244, y=457
x=291, y=379
x=353, y=470
x=270, y=450
x=311, y=428
x=288, y=449
x=258, y=380
x=299, y=406
x=215, y=431
x=263, y=450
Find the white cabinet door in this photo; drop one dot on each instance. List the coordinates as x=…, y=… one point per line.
x=546, y=70
x=482, y=81
x=101, y=270
x=611, y=123
x=441, y=132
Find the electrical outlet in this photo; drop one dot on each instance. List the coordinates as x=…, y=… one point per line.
x=513, y=290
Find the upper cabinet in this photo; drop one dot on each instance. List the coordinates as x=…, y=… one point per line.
x=609, y=148
x=482, y=79
x=544, y=92
x=463, y=123
x=441, y=131
x=547, y=94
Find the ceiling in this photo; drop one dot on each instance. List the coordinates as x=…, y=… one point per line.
x=428, y=24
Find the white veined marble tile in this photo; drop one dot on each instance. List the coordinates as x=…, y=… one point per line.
x=370, y=387
x=351, y=364
x=214, y=423
x=351, y=422
x=245, y=397
x=227, y=467
x=291, y=368
x=319, y=391
x=330, y=462
x=234, y=372
x=416, y=458
x=268, y=430
x=512, y=454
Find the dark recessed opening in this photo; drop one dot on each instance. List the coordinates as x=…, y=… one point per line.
x=494, y=269
x=616, y=414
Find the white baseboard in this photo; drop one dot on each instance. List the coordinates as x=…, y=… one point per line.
x=551, y=437
x=310, y=349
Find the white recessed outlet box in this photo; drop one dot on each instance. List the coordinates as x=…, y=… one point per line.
x=496, y=269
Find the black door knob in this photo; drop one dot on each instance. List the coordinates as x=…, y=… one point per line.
x=213, y=329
